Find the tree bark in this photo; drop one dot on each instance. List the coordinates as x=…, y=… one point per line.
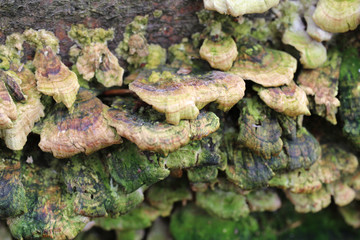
x=177, y=21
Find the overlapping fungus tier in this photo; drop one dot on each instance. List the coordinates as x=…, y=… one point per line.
x=303, y=150
x=54, y=78
x=337, y=16
x=265, y=66
x=83, y=129
x=97, y=60
x=7, y=107
x=149, y=130
x=312, y=53
x=239, y=8
x=322, y=83
x=95, y=57
x=87, y=179
x=50, y=209
x=290, y=100
x=181, y=96
x=259, y=129
x=248, y=170
x=28, y=112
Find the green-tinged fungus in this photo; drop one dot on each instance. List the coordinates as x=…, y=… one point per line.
x=83, y=129
x=259, y=129
x=322, y=83
x=312, y=53
x=131, y=168
x=337, y=15
x=226, y=205
x=95, y=193
x=181, y=96
x=95, y=59
x=290, y=100
x=264, y=66
x=149, y=130
x=220, y=54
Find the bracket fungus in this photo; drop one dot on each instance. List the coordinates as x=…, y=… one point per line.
x=290, y=100
x=248, y=170
x=83, y=129
x=181, y=96
x=50, y=209
x=95, y=59
x=131, y=168
x=264, y=66
x=313, y=30
x=240, y=7
x=226, y=205
x=259, y=130
x=302, y=151
x=312, y=202
x=7, y=106
x=94, y=192
x=28, y=112
x=312, y=53
x=322, y=83
x=53, y=77
x=337, y=16
x=220, y=54
x=149, y=131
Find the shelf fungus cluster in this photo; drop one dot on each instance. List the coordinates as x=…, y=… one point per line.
x=183, y=126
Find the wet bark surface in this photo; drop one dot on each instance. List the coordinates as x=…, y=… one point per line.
x=178, y=19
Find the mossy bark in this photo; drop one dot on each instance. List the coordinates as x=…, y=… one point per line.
x=178, y=18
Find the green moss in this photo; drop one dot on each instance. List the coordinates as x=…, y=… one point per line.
x=165, y=193
x=85, y=36
x=156, y=57
x=42, y=39
x=139, y=218
x=132, y=168
x=190, y=223
x=157, y=13
x=349, y=91
x=226, y=205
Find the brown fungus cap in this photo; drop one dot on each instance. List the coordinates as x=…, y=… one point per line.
x=265, y=66
x=97, y=60
x=54, y=78
x=95, y=57
x=259, y=129
x=322, y=83
x=240, y=7
x=290, y=100
x=28, y=112
x=149, y=130
x=337, y=15
x=7, y=108
x=181, y=96
x=83, y=129
x=219, y=54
